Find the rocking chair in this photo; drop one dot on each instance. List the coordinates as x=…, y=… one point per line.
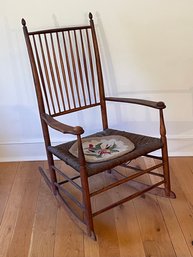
x=68, y=78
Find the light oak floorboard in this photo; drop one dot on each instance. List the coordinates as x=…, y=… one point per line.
x=69, y=238
x=44, y=227
x=7, y=176
x=14, y=203
x=155, y=237
x=105, y=225
x=168, y=212
x=20, y=242
x=181, y=205
x=130, y=241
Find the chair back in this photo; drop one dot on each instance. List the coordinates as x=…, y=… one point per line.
x=66, y=69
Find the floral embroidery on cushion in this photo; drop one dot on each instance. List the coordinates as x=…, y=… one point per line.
x=99, y=150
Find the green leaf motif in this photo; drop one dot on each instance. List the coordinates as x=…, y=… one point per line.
x=112, y=147
x=115, y=151
x=98, y=146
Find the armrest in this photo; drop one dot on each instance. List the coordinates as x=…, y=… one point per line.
x=61, y=126
x=152, y=104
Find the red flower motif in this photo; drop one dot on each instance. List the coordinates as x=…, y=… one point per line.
x=104, y=151
x=90, y=146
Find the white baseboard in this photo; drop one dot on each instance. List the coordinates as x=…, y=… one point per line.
x=22, y=151
x=34, y=150
x=180, y=145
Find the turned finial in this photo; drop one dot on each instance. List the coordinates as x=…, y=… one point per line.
x=23, y=22
x=161, y=105
x=90, y=16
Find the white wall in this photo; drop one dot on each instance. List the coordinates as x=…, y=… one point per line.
x=146, y=49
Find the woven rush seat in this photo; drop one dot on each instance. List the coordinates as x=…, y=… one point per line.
x=143, y=145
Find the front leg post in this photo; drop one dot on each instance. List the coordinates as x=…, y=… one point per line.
x=165, y=155
x=85, y=191
x=50, y=157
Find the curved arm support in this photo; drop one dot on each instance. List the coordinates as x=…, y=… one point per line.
x=57, y=125
x=152, y=104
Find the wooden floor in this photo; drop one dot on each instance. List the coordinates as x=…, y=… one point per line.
x=33, y=225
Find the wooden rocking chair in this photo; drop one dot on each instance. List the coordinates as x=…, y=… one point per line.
x=68, y=78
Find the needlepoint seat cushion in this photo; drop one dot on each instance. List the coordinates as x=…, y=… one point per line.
x=104, y=148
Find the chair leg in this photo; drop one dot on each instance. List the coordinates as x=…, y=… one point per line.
x=166, y=171
x=87, y=203
x=50, y=157
x=52, y=172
